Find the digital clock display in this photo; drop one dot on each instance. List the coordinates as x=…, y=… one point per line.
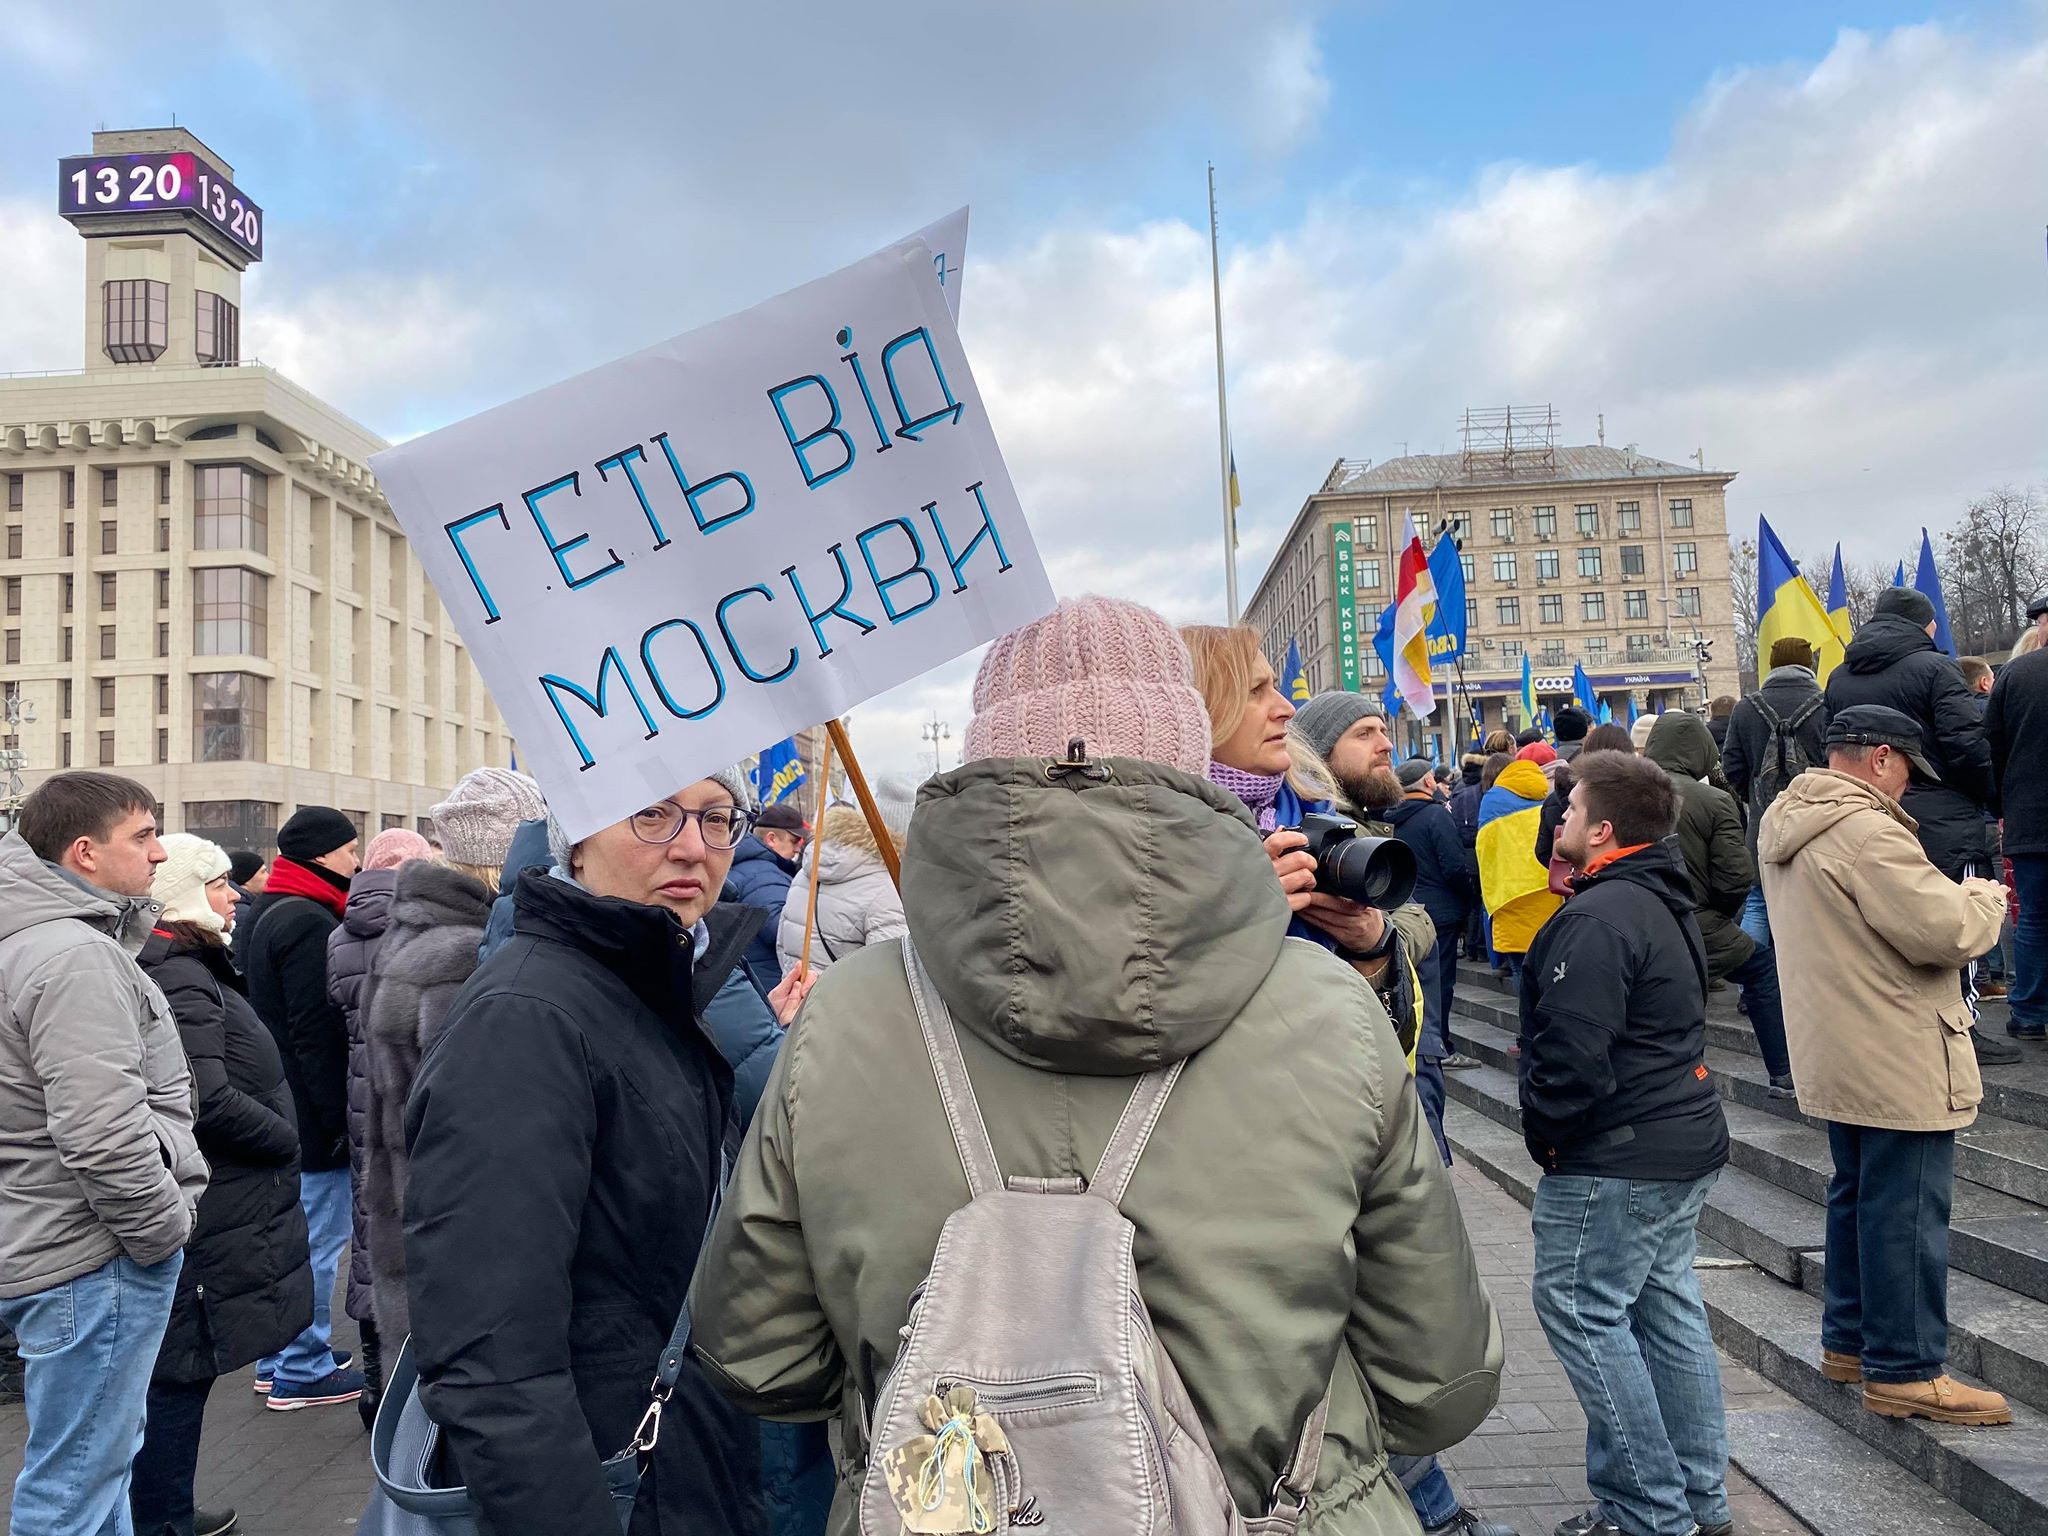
x=89, y=184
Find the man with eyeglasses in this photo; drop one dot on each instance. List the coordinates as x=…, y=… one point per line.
x=568, y=1129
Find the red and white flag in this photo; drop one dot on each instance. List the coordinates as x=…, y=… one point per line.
x=1414, y=602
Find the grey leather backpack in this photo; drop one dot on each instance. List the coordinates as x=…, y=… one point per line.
x=1030, y=1389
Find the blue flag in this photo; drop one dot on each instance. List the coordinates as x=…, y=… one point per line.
x=1294, y=677
x=1582, y=688
x=1899, y=576
x=1528, y=693
x=780, y=772
x=1631, y=709
x=1927, y=582
x=1447, y=625
x=1383, y=647
x=1606, y=713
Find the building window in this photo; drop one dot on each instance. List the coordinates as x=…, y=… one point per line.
x=1638, y=647
x=1366, y=531
x=1631, y=559
x=1586, y=516
x=1471, y=613
x=163, y=535
x=163, y=485
x=109, y=589
x=1507, y=610
x=163, y=694
x=1589, y=565
x=64, y=699
x=106, y=696
x=231, y=508
x=110, y=538
x=220, y=330
x=1685, y=559
x=1546, y=522
x=70, y=491
x=13, y=596
x=388, y=820
x=14, y=493
x=138, y=319
x=163, y=589
x=234, y=823
x=1553, y=653
x=230, y=612
x=1593, y=605
x=163, y=744
x=1688, y=602
x=68, y=586
x=70, y=538
x=14, y=541
x=64, y=750
x=14, y=647
x=1504, y=523
x=228, y=717
x=1596, y=647
x=65, y=645
x=1550, y=608
x=1373, y=670
x=1630, y=514
x=1504, y=565
x=106, y=749
x=1365, y=575
x=106, y=642
x=163, y=639
x=110, y=487
x=1681, y=512
x=1547, y=564
x=1635, y=605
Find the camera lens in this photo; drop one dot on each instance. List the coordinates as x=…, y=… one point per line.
x=1376, y=871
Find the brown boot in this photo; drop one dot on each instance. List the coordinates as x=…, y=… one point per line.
x=1944, y=1400
x=1837, y=1366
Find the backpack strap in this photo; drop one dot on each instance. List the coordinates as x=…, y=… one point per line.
x=956, y=1092
x=1297, y=1482
x=1133, y=1130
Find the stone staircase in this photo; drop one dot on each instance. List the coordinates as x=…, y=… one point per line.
x=1762, y=1240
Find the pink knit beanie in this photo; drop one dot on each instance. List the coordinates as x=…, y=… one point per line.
x=1110, y=672
x=395, y=846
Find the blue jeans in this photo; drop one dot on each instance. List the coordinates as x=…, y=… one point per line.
x=324, y=1198
x=1758, y=978
x=1756, y=917
x=1885, y=1292
x=1616, y=1295
x=2027, y=992
x=1428, y=1490
x=88, y=1347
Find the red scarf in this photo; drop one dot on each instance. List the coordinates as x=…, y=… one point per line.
x=290, y=878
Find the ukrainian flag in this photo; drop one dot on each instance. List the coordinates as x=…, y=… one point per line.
x=1788, y=607
x=1294, y=678
x=1838, y=600
x=1528, y=693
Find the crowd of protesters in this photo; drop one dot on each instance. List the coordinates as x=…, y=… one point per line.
x=544, y=1091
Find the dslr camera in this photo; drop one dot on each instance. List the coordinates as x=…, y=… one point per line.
x=1373, y=871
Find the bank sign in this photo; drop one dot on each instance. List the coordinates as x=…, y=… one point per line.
x=1346, y=589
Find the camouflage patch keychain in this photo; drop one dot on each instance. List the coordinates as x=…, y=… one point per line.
x=942, y=1482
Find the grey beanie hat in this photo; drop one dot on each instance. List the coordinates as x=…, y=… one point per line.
x=733, y=777
x=1327, y=716
x=476, y=822
x=1908, y=603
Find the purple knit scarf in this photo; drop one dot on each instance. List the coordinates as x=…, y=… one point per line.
x=1258, y=791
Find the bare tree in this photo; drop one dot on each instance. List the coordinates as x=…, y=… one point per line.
x=1742, y=588
x=1991, y=564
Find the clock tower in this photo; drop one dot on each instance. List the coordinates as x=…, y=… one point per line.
x=167, y=237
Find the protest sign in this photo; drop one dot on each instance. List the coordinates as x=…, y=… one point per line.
x=682, y=556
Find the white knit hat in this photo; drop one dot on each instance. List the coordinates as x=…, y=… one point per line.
x=482, y=811
x=179, y=884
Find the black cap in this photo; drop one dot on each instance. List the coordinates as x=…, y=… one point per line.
x=242, y=866
x=1571, y=723
x=313, y=832
x=2037, y=607
x=780, y=817
x=1878, y=725
x=1414, y=771
x=1913, y=606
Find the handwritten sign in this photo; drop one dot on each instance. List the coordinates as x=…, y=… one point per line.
x=668, y=562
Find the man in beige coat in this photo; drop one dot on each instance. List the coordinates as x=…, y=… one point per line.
x=1870, y=936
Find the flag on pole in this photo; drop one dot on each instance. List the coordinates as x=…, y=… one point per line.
x=1236, y=499
x=1927, y=582
x=1528, y=692
x=1447, y=575
x=1294, y=679
x=1383, y=647
x=780, y=772
x=1838, y=600
x=1787, y=607
x=1606, y=713
x=1899, y=576
x=1632, y=715
x=1414, y=597
x=1582, y=687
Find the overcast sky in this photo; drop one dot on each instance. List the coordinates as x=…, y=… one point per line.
x=1806, y=239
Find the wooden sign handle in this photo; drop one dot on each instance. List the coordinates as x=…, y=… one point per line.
x=817, y=847
x=836, y=737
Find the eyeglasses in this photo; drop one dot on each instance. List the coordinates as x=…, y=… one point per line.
x=721, y=826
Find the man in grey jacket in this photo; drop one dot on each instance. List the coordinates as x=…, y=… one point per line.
x=100, y=1176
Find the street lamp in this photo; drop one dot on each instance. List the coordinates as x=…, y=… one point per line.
x=932, y=734
x=15, y=712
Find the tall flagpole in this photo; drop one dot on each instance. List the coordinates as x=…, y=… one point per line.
x=1222, y=412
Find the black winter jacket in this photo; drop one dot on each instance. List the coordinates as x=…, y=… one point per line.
x=351, y=952
x=1446, y=871
x=245, y=1290
x=1717, y=861
x=285, y=961
x=760, y=878
x=566, y=1132
x=2016, y=727
x=1892, y=662
x=1614, y=1018
x=1751, y=744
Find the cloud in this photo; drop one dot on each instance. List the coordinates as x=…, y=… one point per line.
x=40, y=323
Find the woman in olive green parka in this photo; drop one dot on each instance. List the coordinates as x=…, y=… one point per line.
x=1296, y=1231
